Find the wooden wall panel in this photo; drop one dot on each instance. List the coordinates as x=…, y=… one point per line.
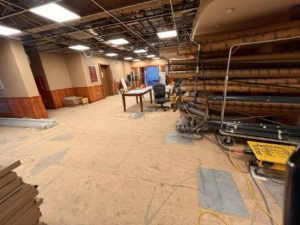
x=116, y=86
x=81, y=91
x=96, y=93
x=38, y=108
x=31, y=107
x=58, y=96
x=93, y=93
x=4, y=108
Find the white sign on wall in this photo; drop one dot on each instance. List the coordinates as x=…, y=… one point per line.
x=162, y=77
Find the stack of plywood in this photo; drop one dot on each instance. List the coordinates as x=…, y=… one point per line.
x=72, y=101
x=19, y=204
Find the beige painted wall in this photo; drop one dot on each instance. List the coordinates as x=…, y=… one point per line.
x=56, y=71
x=36, y=64
x=119, y=68
x=149, y=63
x=15, y=72
x=78, y=70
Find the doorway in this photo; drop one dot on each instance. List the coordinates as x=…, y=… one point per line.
x=151, y=75
x=106, y=80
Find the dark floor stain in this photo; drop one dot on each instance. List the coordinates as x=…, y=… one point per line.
x=136, y=115
x=63, y=137
x=48, y=161
x=175, y=138
x=3, y=141
x=276, y=190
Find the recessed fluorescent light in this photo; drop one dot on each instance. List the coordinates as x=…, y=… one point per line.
x=140, y=51
x=167, y=34
x=79, y=47
x=119, y=41
x=8, y=31
x=111, y=54
x=136, y=60
x=150, y=56
x=54, y=12
x=128, y=58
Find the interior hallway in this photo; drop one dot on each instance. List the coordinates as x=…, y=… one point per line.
x=100, y=167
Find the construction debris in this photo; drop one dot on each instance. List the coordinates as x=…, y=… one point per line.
x=71, y=101
x=19, y=204
x=27, y=123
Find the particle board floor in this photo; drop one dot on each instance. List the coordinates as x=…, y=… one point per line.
x=100, y=167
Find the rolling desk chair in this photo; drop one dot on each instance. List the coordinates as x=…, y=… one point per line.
x=160, y=96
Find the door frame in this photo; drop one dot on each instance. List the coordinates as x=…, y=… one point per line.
x=110, y=80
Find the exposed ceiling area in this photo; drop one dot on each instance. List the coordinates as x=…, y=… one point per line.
x=137, y=21
x=216, y=16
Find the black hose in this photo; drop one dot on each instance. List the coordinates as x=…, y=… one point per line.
x=261, y=193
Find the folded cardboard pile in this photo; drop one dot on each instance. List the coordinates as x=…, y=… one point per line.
x=72, y=101
x=19, y=204
x=85, y=101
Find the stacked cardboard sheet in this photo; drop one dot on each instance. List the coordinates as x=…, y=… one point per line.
x=19, y=204
x=72, y=101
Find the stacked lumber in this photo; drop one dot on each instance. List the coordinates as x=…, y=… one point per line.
x=19, y=204
x=271, y=69
x=240, y=73
x=257, y=108
x=224, y=41
x=71, y=101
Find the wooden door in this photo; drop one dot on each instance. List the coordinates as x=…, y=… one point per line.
x=106, y=80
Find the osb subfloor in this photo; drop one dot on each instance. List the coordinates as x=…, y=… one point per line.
x=99, y=167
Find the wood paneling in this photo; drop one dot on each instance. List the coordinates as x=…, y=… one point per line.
x=58, y=96
x=31, y=107
x=96, y=93
x=4, y=108
x=93, y=93
x=116, y=86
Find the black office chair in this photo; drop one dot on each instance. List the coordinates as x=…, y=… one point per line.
x=160, y=96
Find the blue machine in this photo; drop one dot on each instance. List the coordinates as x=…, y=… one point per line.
x=151, y=75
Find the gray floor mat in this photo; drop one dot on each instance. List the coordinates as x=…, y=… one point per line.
x=175, y=138
x=277, y=191
x=136, y=115
x=218, y=192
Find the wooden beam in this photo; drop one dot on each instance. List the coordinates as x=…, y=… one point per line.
x=240, y=88
x=240, y=73
x=226, y=40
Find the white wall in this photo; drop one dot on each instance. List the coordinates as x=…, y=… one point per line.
x=119, y=68
x=77, y=69
x=56, y=71
x=146, y=63
x=15, y=71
